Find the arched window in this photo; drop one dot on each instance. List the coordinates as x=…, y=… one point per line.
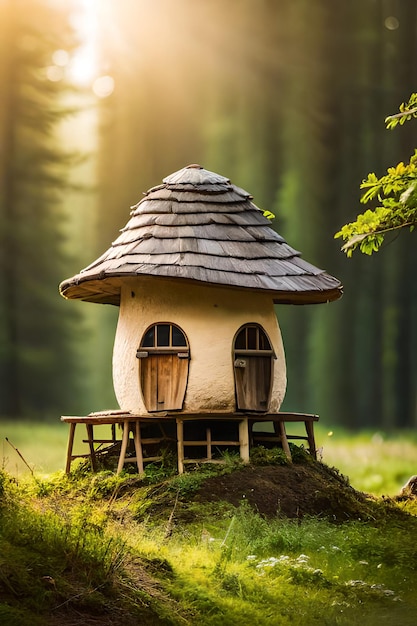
x=162, y=336
x=164, y=357
x=253, y=366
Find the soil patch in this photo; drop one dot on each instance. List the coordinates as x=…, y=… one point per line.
x=292, y=491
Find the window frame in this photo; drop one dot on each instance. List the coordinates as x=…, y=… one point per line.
x=181, y=350
x=253, y=351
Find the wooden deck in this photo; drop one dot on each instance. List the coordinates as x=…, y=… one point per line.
x=180, y=428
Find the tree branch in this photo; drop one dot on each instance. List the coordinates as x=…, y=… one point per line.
x=360, y=237
x=401, y=114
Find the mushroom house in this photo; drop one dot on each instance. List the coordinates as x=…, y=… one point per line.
x=196, y=273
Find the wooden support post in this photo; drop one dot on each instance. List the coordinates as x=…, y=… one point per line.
x=208, y=442
x=70, y=447
x=123, y=448
x=284, y=440
x=180, y=445
x=310, y=438
x=244, y=440
x=138, y=447
x=90, y=439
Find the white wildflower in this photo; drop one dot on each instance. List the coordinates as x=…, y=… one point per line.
x=356, y=583
x=302, y=559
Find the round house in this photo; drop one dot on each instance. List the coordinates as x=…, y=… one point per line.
x=196, y=272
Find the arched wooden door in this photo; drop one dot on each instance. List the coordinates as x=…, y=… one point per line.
x=253, y=367
x=164, y=358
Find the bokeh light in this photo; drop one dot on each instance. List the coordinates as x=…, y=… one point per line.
x=391, y=23
x=103, y=86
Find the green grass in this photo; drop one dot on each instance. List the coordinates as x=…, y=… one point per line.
x=375, y=462
x=42, y=445
x=84, y=548
x=128, y=550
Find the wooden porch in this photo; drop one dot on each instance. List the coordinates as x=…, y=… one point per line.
x=148, y=435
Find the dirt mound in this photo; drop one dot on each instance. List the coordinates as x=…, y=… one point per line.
x=293, y=490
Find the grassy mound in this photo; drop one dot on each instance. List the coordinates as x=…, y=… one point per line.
x=218, y=545
x=270, y=485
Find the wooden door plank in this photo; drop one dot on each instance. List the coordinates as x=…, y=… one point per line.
x=172, y=381
x=149, y=381
x=164, y=382
x=254, y=383
x=163, y=379
x=180, y=380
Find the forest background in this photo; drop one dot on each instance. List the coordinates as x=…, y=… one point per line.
x=101, y=99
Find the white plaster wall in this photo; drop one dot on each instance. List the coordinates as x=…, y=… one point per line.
x=210, y=317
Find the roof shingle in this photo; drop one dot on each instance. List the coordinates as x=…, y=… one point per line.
x=199, y=227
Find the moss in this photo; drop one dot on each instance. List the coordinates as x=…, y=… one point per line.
x=130, y=549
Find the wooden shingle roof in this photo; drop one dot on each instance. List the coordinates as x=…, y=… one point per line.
x=199, y=227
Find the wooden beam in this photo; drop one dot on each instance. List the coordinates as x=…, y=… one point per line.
x=138, y=447
x=180, y=445
x=244, y=440
x=125, y=441
x=70, y=447
x=90, y=437
x=311, y=441
x=284, y=440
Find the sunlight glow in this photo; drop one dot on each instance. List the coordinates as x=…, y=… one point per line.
x=84, y=63
x=83, y=67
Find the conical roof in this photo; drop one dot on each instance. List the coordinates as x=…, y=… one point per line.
x=199, y=227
